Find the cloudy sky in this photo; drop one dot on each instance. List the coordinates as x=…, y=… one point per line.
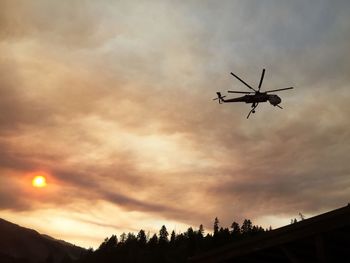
x=112, y=101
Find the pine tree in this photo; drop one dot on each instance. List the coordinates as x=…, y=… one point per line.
x=247, y=226
x=153, y=242
x=141, y=237
x=109, y=243
x=172, y=237
x=131, y=238
x=122, y=237
x=163, y=235
x=190, y=233
x=216, y=226
x=201, y=231
x=236, y=230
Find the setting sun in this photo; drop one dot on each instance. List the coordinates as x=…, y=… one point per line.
x=39, y=181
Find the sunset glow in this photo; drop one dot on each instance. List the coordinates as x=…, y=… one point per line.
x=39, y=181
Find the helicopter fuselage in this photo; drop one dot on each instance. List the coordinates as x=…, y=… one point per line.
x=257, y=98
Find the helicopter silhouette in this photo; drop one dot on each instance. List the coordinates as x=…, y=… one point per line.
x=254, y=99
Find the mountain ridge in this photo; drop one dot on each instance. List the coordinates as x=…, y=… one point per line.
x=21, y=243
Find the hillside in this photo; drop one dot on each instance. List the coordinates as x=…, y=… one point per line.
x=27, y=245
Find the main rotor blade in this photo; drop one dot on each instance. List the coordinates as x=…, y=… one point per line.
x=242, y=81
x=261, y=80
x=278, y=89
x=243, y=92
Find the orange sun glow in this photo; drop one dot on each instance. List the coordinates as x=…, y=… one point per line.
x=39, y=181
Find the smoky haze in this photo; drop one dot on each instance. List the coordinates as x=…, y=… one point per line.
x=114, y=102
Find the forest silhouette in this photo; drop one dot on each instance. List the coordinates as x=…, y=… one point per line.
x=168, y=247
x=163, y=246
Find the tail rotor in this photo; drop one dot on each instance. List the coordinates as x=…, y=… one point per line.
x=219, y=98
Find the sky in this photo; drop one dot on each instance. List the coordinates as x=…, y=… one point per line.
x=112, y=102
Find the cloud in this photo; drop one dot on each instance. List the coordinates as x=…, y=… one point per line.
x=114, y=101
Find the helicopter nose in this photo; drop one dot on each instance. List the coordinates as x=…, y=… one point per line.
x=278, y=100
x=275, y=100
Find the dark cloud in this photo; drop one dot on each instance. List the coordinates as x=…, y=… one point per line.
x=133, y=204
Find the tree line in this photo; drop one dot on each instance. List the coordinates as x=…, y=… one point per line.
x=167, y=247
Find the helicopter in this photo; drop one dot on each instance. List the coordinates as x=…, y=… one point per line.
x=254, y=97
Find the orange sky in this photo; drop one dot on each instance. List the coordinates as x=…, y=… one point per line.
x=113, y=101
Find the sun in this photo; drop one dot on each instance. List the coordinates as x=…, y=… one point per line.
x=39, y=181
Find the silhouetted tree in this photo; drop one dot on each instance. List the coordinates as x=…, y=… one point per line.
x=216, y=226
x=236, y=230
x=153, y=241
x=108, y=245
x=172, y=237
x=141, y=237
x=247, y=226
x=122, y=237
x=131, y=238
x=191, y=247
x=163, y=235
x=224, y=234
x=201, y=231
x=190, y=233
x=257, y=229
